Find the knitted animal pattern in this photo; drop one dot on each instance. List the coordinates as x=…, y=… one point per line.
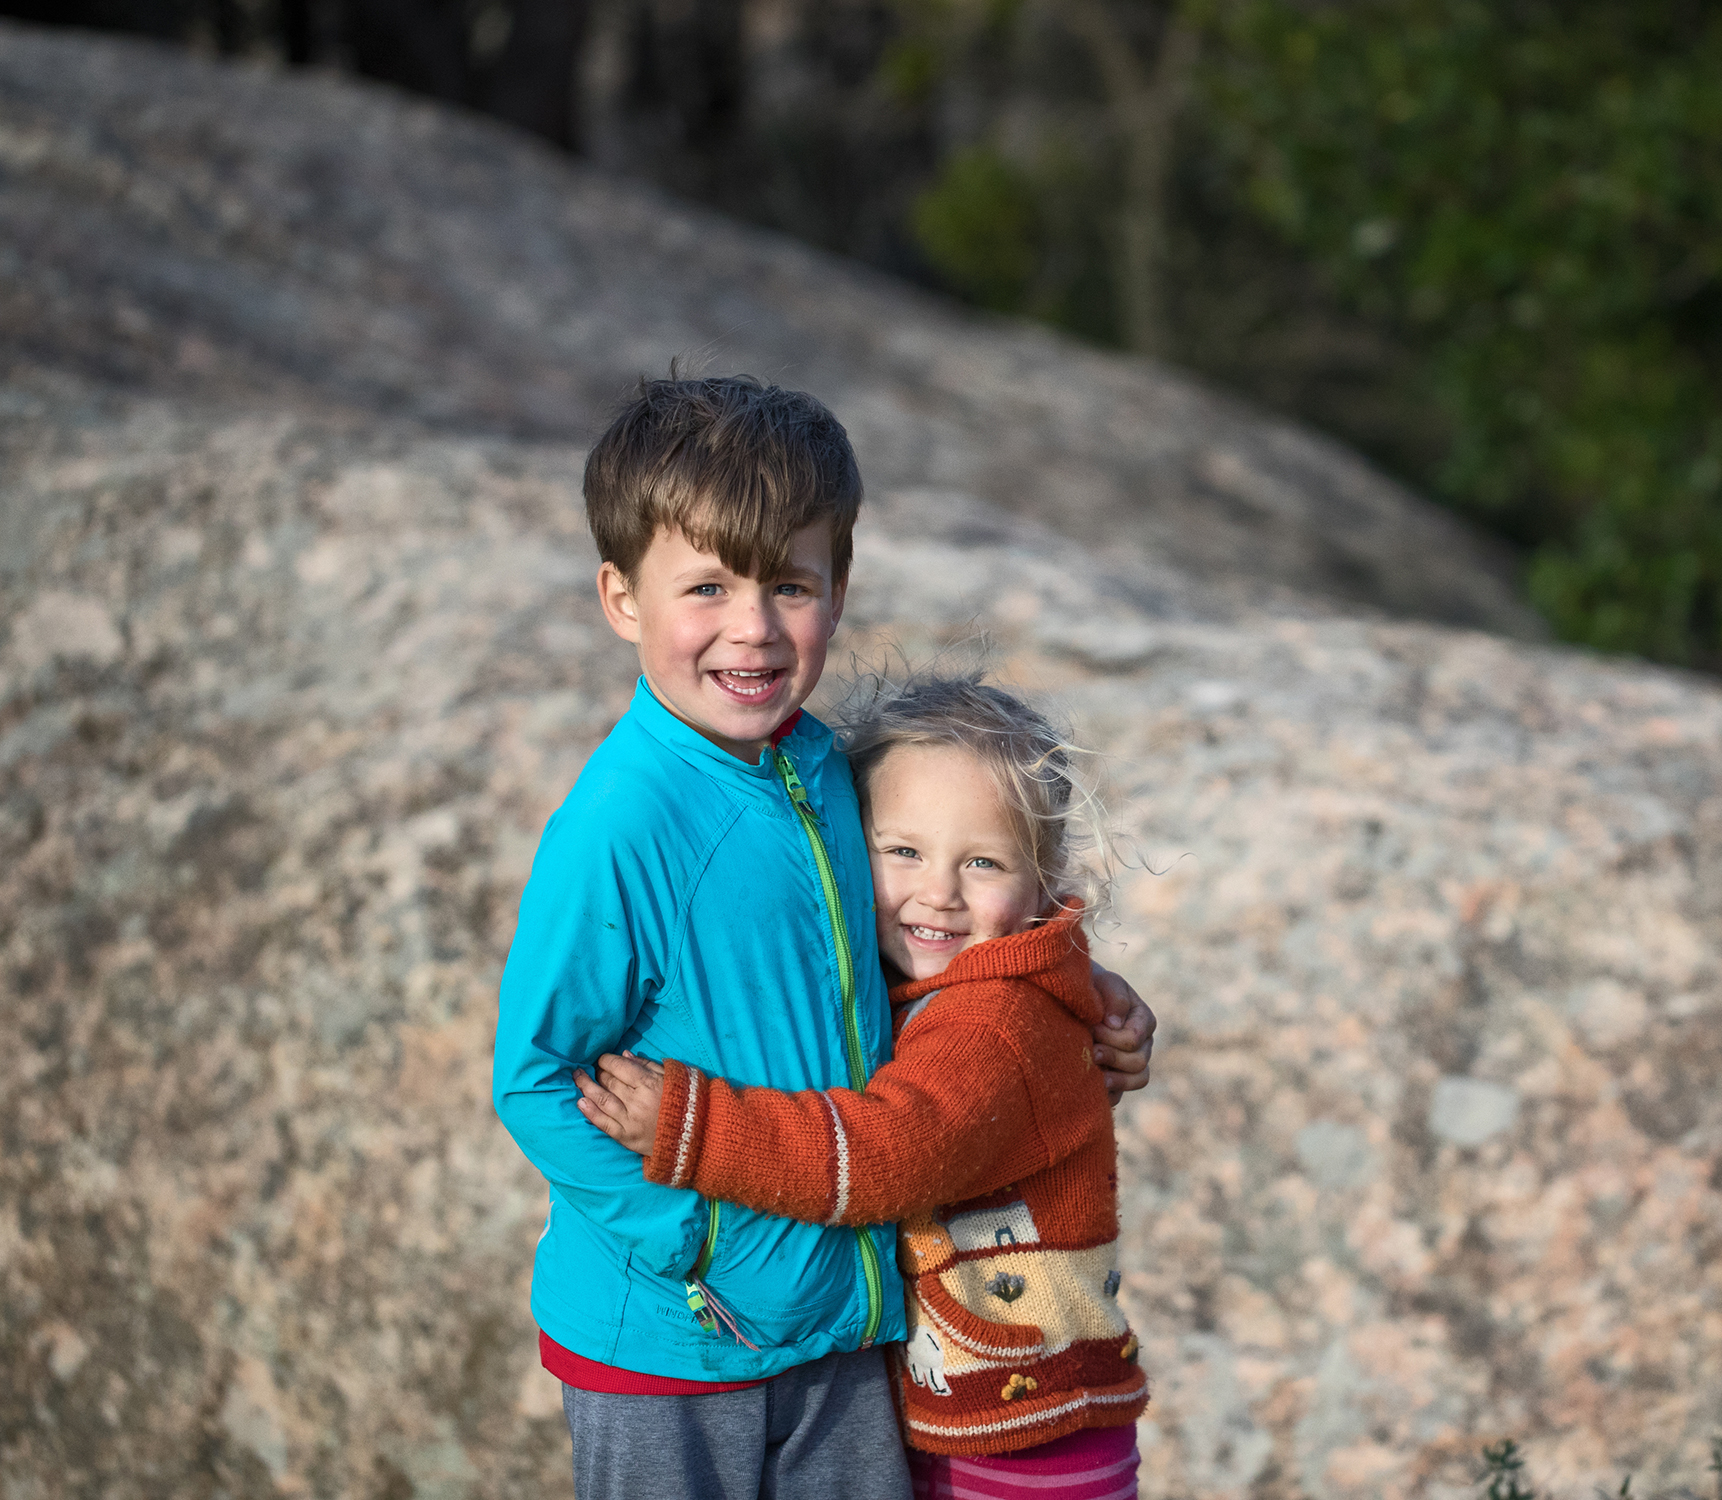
x=989, y=1294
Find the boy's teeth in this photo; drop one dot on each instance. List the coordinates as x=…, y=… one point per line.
x=931, y=934
x=736, y=686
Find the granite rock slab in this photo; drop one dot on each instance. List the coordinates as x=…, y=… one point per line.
x=295, y=662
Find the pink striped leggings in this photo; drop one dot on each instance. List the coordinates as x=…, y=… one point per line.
x=1098, y=1463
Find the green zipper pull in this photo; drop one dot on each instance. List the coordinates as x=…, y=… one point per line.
x=697, y=1301
x=696, y=1293
x=792, y=785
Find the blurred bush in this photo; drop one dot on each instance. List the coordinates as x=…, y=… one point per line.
x=1507, y=218
x=1481, y=241
x=1530, y=197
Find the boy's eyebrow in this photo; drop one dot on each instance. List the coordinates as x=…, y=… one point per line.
x=706, y=567
x=710, y=568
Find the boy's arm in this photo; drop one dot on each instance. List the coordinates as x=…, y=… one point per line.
x=576, y=978
x=950, y=1117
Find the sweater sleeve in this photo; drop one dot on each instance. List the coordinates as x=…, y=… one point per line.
x=949, y=1118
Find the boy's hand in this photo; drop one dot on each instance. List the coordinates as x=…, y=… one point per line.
x=1124, y=1040
x=623, y=1100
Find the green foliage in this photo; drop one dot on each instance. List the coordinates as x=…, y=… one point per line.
x=1520, y=203
x=978, y=224
x=1531, y=196
x=1019, y=237
x=1504, y=1474
x=1505, y=1464
x=1013, y=216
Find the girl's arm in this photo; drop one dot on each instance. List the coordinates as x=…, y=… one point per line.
x=951, y=1117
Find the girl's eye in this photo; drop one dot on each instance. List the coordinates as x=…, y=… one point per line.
x=904, y=851
x=981, y=862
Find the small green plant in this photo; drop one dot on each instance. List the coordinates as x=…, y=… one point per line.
x=1504, y=1474
x=1505, y=1465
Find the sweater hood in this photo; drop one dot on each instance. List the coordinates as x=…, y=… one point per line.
x=1052, y=955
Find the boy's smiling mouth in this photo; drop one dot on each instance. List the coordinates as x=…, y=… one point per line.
x=748, y=686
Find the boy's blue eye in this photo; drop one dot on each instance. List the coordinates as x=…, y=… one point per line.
x=706, y=590
x=790, y=588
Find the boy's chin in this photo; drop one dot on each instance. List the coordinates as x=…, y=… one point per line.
x=742, y=721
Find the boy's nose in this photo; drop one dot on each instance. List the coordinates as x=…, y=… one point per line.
x=753, y=620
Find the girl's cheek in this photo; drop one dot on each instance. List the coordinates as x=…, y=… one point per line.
x=882, y=924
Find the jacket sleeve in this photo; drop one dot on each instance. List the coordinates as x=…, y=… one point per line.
x=589, y=953
x=949, y=1118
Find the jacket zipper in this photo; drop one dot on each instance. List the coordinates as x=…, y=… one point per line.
x=696, y=1293
x=851, y=1025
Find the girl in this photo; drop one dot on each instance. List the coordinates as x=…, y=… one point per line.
x=989, y=1135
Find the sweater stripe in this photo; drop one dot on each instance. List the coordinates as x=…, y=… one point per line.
x=987, y=1481
x=842, y=1139
x=1027, y=1419
x=1012, y=1354
x=684, y=1147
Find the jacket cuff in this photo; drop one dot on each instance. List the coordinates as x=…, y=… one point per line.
x=681, y=1114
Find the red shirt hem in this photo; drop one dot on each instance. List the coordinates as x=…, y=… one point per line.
x=588, y=1375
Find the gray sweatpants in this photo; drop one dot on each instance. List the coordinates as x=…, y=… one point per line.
x=824, y=1430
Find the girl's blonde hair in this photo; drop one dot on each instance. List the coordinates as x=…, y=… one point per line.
x=1058, y=818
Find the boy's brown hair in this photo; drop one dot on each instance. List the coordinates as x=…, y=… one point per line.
x=735, y=465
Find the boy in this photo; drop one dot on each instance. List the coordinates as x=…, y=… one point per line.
x=695, y=897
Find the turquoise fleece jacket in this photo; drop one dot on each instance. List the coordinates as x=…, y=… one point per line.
x=676, y=908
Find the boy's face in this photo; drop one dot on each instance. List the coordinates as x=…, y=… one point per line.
x=732, y=657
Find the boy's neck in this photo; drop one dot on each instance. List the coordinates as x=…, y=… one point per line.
x=747, y=752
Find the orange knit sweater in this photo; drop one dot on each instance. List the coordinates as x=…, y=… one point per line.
x=989, y=1136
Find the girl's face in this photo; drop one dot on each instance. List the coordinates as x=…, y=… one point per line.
x=947, y=871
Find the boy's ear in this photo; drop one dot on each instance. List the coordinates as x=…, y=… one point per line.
x=617, y=600
x=839, y=593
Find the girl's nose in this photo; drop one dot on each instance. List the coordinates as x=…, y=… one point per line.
x=941, y=890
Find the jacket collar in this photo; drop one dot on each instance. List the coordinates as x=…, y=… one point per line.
x=806, y=741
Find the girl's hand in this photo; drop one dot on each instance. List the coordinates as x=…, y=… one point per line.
x=623, y=1100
